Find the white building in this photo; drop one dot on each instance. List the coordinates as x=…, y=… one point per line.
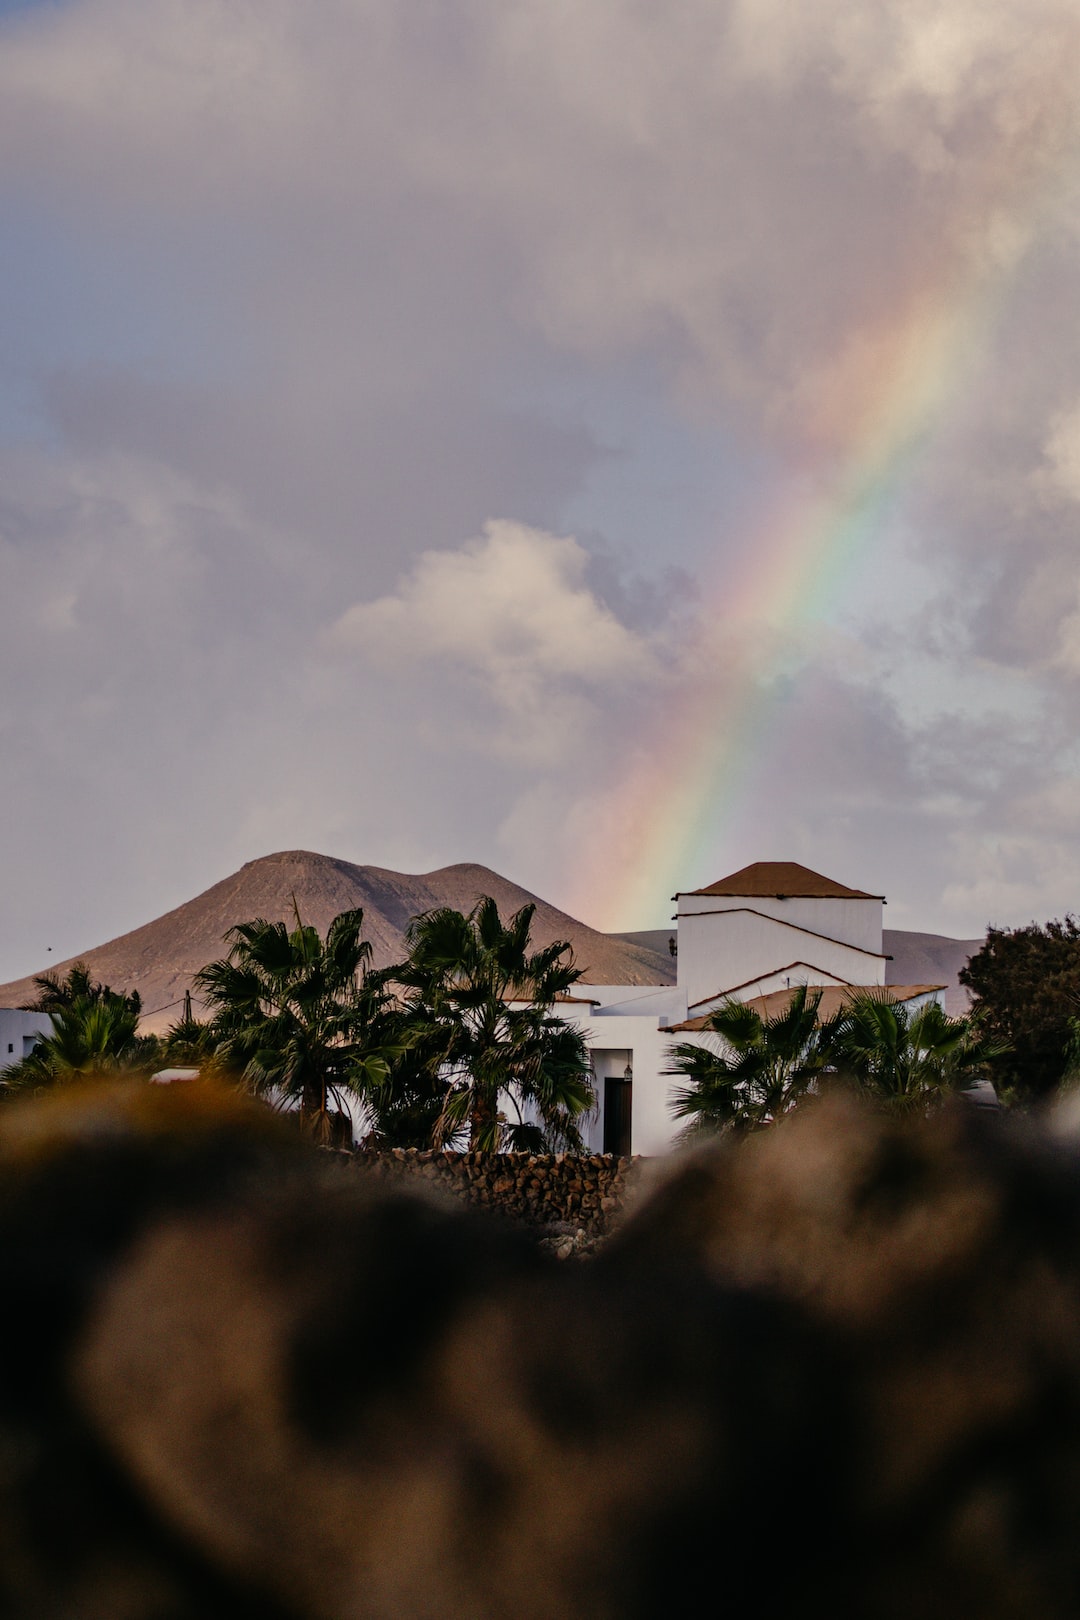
x=753, y=936
x=774, y=925
x=19, y=1032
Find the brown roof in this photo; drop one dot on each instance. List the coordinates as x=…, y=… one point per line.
x=834, y=997
x=782, y=880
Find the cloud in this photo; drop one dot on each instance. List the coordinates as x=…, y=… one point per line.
x=515, y=599
x=639, y=168
x=296, y=297
x=1062, y=452
x=1067, y=655
x=513, y=610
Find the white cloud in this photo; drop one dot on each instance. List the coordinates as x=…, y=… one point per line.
x=514, y=611
x=514, y=600
x=1062, y=454
x=378, y=273
x=1067, y=650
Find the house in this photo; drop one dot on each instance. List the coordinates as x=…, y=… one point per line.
x=752, y=936
x=772, y=925
x=19, y=1032
x=833, y=1000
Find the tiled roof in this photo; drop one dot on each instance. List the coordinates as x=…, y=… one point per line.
x=782, y=880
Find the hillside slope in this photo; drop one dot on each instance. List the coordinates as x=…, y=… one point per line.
x=930, y=959
x=160, y=958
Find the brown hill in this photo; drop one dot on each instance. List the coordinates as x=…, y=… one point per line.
x=160, y=958
x=930, y=959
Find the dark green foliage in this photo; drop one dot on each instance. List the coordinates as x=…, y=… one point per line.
x=56, y=992
x=907, y=1060
x=95, y=1032
x=190, y=1042
x=479, y=1007
x=754, y=1069
x=405, y=1104
x=298, y=1016
x=1026, y=985
x=432, y=1046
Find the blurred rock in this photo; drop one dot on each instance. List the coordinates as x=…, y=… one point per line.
x=834, y=1370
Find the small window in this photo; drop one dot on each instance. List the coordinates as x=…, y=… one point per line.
x=10, y=1047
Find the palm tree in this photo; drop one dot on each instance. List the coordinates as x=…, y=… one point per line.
x=192, y=1042
x=300, y=1017
x=479, y=1003
x=908, y=1060
x=77, y=984
x=404, y=1106
x=91, y=1035
x=753, y=1069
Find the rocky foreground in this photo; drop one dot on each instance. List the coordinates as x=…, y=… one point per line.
x=834, y=1371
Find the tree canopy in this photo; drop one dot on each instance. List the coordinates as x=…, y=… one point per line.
x=458, y=1042
x=298, y=1015
x=753, y=1069
x=480, y=1003
x=95, y=1031
x=1026, y=988
x=907, y=1059
x=57, y=991
x=91, y=1035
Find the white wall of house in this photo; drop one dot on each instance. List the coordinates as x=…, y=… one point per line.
x=913, y=1003
x=727, y=945
x=854, y=922
x=19, y=1031
x=732, y=946
x=617, y=1039
x=628, y=1024
x=645, y=1045
x=793, y=973
x=657, y=1001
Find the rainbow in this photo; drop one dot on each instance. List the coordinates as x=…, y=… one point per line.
x=681, y=788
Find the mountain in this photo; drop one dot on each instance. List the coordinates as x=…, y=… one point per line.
x=929, y=959
x=160, y=958
x=656, y=940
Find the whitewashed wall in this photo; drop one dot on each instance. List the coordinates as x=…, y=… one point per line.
x=720, y=950
x=854, y=922
x=624, y=1026
x=19, y=1031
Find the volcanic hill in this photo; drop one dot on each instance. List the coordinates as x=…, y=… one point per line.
x=160, y=958
x=930, y=959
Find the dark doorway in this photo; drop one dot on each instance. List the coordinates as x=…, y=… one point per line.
x=618, y=1108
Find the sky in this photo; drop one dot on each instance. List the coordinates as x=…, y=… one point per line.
x=611, y=443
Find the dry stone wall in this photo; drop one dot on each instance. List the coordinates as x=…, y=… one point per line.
x=566, y=1193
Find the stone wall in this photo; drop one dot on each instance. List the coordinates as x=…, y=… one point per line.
x=566, y=1193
